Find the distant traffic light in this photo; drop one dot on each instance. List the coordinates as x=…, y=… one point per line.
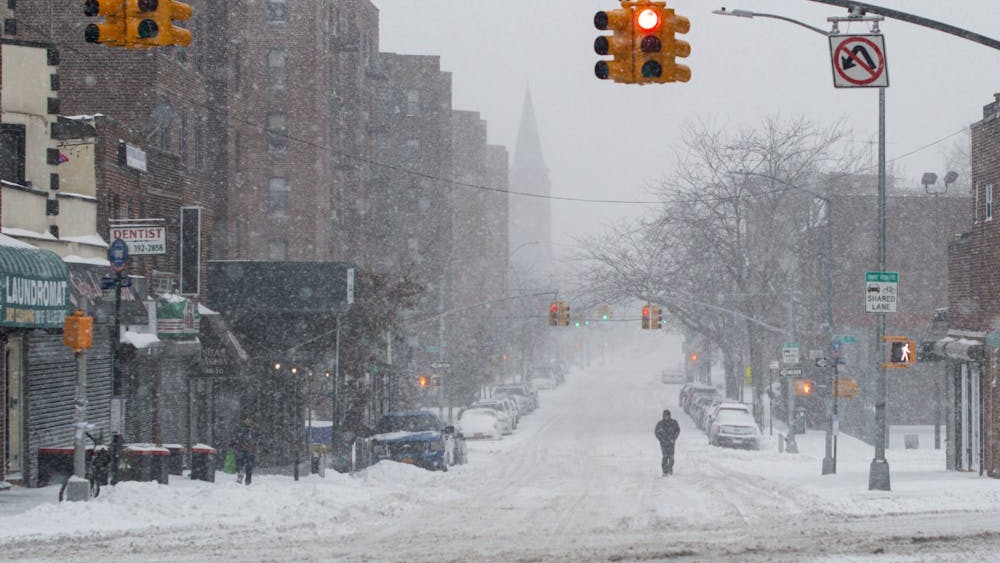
x=902, y=352
x=645, y=316
x=803, y=387
x=618, y=45
x=693, y=357
x=563, y=313
x=655, y=317
x=605, y=312
x=111, y=32
x=554, y=313
x=424, y=381
x=150, y=23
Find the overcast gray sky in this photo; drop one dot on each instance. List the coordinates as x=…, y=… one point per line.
x=742, y=71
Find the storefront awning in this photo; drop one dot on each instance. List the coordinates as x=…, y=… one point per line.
x=963, y=349
x=35, y=292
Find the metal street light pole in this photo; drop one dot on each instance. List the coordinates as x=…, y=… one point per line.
x=830, y=459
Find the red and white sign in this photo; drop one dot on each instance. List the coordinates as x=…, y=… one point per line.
x=142, y=239
x=859, y=61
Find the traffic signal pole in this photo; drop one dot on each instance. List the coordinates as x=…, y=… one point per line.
x=878, y=473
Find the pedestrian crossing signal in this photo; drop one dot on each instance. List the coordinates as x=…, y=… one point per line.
x=902, y=352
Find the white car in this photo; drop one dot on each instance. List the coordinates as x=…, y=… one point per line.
x=504, y=412
x=734, y=428
x=715, y=409
x=476, y=423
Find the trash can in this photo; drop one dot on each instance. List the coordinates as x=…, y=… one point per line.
x=175, y=464
x=800, y=421
x=147, y=462
x=203, y=462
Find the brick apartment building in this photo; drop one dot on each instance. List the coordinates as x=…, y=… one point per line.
x=268, y=138
x=970, y=349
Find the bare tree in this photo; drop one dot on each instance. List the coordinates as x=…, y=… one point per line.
x=721, y=253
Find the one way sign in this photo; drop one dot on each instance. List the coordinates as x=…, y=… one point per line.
x=859, y=61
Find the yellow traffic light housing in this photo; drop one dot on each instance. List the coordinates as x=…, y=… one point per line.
x=643, y=45
x=78, y=331
x=655, y=318
x=618, y=45
x=149, y=23
x=111, y=32
x=674, y=48
x=902, y=352
x=563, y=313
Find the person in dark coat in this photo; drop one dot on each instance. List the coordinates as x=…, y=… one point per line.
x=245, y=443
x=666, y=432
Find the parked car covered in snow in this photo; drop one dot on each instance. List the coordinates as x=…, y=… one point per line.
x=418, y=438
x=734, y=428
x=480, y=422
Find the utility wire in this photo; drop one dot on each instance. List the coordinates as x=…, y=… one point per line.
x=427, y=176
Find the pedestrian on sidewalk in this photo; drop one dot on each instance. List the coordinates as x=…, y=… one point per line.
x=245, y=443
x=666, y=432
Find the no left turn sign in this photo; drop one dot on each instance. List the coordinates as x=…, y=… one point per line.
x=859, y=61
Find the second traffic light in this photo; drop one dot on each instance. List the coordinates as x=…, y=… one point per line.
x=659, y=47
x=110, y=32
x=563, y=313
x=150, y=23
x=558, y=313
x=652, y=317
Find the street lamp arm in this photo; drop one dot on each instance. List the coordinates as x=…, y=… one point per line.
x=752, y=14
x=917, y=20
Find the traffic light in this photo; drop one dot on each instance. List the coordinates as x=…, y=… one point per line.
x=693, y=357
x=673, y=48
x=423, y=381
x=149, y=23
x=618, y=45
x=648, y=46
x=655, y=317
x=605, y=312
x=902, y=352
x=554, y=313
x=111, y=32
x=563, y=313
x=645, y=316
x=803, y=387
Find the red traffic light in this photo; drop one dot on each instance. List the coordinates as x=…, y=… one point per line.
x=647, y=19
x=424, y=381
x=693, y=357
x=645, y=311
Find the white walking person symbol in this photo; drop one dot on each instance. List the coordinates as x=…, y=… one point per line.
x=905, y=353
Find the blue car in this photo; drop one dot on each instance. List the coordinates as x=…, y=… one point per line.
x=418, y=438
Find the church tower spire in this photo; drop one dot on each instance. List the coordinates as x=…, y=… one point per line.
x=530, y=217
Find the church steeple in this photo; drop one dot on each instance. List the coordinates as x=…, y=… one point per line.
x=530, y=234
x=528, y=160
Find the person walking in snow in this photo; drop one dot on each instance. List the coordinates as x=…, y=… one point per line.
x=666, y=432
x=245, y=442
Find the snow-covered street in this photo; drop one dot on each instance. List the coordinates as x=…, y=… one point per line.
x=578, y=481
